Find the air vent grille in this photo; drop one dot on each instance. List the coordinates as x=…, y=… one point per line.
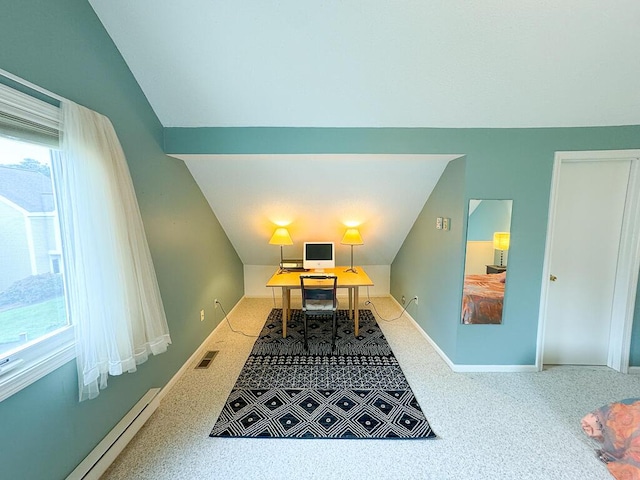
x=207, y=359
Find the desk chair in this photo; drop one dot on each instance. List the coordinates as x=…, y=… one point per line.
x=319, y=297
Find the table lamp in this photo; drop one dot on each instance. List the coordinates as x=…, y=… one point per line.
x=352, y=237
x=281, y=237
x=501, y=242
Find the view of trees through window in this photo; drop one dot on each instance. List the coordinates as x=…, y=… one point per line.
x=32, y=302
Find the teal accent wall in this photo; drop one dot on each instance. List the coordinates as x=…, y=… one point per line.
x=488, y=218
x=63, y=47
x=430, y=260
x=499, y=163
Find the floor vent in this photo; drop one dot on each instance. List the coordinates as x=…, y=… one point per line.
x=207, y=359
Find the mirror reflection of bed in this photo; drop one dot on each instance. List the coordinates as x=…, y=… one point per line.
x=482, y=298
x=487, y=249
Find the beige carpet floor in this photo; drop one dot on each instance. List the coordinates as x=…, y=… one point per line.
x=490, y=425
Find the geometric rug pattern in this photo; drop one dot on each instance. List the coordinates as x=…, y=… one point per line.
x=357, y=390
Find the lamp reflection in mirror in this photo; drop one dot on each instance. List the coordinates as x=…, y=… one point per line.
x=352, y=237
x=501, y=243
x=281, y=237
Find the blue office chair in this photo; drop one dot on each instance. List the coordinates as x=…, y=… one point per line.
x=319, y=297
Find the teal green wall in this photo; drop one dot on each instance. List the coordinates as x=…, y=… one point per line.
x=490, y=217
x=61, y=46
x=499, y=163
x=430, y=260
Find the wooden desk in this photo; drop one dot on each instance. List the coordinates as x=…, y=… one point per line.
x=352, y=281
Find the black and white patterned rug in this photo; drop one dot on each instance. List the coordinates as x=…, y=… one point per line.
x=357, y=391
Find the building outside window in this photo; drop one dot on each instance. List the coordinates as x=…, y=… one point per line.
x=31, y=291
x=32, y=297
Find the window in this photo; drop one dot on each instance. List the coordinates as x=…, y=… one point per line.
x=55, y=263
x=105, y=268
x=35, y=333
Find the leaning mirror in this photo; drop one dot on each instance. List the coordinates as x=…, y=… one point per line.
x=486, y=259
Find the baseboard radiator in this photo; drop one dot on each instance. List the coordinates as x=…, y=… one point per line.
x=97, y=462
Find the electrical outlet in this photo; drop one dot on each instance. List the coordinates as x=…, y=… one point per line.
x=215, y=303
x=403, y=299
x=202, y=315
x=416, y=299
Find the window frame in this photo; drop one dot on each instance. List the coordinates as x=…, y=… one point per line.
x=28, y=363
x=41, y=357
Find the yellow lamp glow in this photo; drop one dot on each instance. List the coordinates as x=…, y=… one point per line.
x=352, y=237
x=281, y=237
x=501, y=242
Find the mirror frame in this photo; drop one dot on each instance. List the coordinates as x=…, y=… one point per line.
x=485, y=267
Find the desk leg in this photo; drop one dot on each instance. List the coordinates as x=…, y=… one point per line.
x=356, y=313
x=350, y=302
x=286, y=298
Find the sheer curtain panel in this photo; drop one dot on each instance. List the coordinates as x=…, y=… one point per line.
x=114, y=299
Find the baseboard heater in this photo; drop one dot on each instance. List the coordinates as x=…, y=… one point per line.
x=97, y=462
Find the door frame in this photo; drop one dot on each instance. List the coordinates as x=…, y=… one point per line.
x=626, y=280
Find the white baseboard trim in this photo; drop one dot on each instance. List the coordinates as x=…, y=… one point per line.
x=103, y=455
x=195, y=356
x=495, y=369
x=466, y=368
x=634, y=370
x=435, y=346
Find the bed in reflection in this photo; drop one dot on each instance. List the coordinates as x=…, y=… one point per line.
x=482, y=299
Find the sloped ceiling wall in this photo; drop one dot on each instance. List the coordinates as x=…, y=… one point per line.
x=381, y=63
x=316, y=197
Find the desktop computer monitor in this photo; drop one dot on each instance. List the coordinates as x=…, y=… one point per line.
x=318, y=255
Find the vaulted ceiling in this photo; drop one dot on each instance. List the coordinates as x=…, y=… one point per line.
x=369, y=63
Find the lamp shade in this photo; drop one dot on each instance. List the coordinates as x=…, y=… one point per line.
x=281, y=237
x=501, y=240
x=352, y=237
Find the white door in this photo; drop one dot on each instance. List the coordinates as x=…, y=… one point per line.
x=583, y=261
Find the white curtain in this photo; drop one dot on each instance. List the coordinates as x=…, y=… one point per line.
x=113, y=294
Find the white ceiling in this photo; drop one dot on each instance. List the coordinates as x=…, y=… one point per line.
x=367, y=63
x=382, y=63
